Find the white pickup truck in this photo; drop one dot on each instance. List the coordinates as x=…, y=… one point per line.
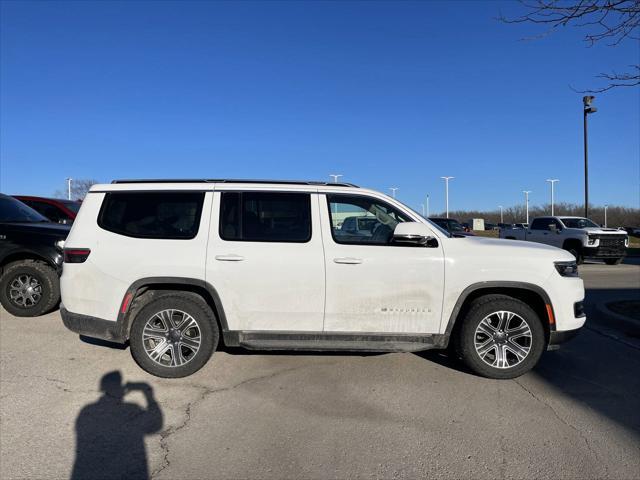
x=580, y=236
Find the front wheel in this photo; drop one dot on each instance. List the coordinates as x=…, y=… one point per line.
x=501, y=337
x=174, y=335
x=613, y=261
x=577, y=253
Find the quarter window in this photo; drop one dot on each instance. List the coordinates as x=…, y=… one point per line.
x=360, y=220
x=265, y=217
x=162, y=215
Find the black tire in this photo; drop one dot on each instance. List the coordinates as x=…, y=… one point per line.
x=480, y=309
x=576, y=252
x=190, y=304
x=613, y=261
x=42, y=276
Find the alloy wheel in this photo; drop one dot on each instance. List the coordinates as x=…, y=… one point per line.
x=25, y=290
x=171, y=338
x=503, y=339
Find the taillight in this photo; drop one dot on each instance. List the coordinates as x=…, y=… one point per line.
x=76, y=255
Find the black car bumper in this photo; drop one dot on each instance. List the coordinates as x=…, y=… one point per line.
x=557, y=338
x=92, y=326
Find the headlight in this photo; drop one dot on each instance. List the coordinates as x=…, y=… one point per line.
x=592, y=240
x=567, y=269
x=60, y=245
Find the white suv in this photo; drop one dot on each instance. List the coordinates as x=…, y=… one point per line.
x=171, y=266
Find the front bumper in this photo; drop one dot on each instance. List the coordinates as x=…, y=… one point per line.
x=557, y=338
x=92, y=326
x=604, y=252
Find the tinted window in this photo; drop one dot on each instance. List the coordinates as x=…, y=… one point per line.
x=12, y=210
x=167, y=215
x=362, y=220
x=265, y=217
x=73, y=206
x=540, y=224
x=52, y=212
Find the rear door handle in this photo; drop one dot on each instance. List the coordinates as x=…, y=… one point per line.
x=229, y=258
x=348, y=260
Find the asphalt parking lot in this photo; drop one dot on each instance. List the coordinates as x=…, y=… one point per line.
x=285, y=415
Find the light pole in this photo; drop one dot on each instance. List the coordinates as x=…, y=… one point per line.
x=335, y=180
x=393, y=191
x=422, y=205
x=586, y=101
x=552, y=181
x=526, y=201
x=501, y=213
x=446, y=189
x=605, y=215
x=428, y=214
x=69, y=180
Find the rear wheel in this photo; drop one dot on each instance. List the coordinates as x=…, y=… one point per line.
x=501, y=337
x=29, y=288
x=613, y=261
x=174, y=335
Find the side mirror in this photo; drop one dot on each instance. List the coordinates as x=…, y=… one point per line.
x=552, y=227
x=414, y=233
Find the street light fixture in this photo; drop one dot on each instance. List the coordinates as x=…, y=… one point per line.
x=552, y=181
x=586, y=101
x=526, y=201
x=393, y=191
x=446, y=188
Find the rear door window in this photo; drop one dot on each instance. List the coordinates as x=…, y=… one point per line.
x=161, y=215
x=540, y=224
x=265, y=217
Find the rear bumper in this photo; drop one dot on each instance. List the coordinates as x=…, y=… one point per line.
x=92, y=326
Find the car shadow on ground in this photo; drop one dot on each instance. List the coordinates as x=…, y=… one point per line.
x=110, y=432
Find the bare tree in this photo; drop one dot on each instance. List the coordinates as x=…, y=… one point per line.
x=604, y=21
x=617, y=215
x=79, y=188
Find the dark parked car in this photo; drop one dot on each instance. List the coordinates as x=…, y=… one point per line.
x=30, y=259
x=452, y=226
x=490, y=226
x=633, y=231
x=55, y=209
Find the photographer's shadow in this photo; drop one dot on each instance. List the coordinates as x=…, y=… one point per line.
x=110, y=432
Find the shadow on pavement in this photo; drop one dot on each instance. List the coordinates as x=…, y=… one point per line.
x=110, y=432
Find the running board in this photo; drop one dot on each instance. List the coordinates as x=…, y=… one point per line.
x=365, y=342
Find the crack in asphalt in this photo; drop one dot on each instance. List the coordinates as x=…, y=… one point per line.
x=206, y=392
x=565, y=422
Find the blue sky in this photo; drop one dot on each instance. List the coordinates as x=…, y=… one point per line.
x=387, y=94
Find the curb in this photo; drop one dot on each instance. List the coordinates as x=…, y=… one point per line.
x=629, y=325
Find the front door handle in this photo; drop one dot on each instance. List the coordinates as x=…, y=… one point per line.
x=348, y=260
x=229, y=258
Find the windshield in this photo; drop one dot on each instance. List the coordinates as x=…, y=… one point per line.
x=73, y=206
x=578, y=223
x=12, y=210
